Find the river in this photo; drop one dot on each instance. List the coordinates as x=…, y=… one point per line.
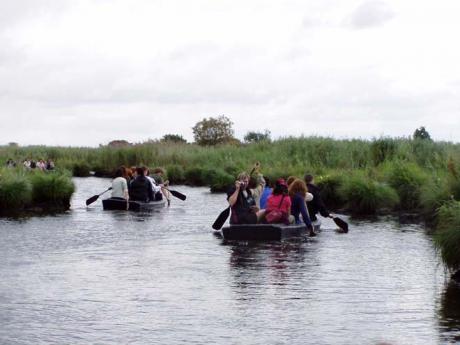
x=90, y=276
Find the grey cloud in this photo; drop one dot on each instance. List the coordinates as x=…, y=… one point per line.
x=370, y=14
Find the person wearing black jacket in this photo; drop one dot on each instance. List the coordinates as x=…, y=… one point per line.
x=140, y=189
x=316, y=205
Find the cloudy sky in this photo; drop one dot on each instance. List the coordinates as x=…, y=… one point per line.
x=84, y=72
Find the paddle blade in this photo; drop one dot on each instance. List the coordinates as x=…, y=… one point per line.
x=343, y=225
x=219, y=222
x=92, y=199
x=178, y=194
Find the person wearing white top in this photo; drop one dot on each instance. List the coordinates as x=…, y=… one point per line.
x=120, y=186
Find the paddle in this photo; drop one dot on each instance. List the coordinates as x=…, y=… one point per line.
x=95, y=197
x=176, y=193
x=343, y=225
x=222, y=217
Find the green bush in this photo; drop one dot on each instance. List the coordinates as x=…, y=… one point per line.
x=194, y=176
x=175, y=173
x=433, y=195
x=15, y=190
x=221, y=181
x=383, y=149
x=364, y=196
x=81, y=169
x=407, y=179
x=329, y=186
x=52, y=188
x=447, y=235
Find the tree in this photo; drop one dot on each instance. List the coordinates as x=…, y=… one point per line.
x=175, y=138
x=422, y=133
x=213, y=131
x=255, y=137
x=119, y=143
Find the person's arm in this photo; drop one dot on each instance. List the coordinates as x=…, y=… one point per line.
x=304, y=212
x=150, y=188
x=234, y=196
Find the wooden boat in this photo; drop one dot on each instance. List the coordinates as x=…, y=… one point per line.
x=263, y=232
x=120, y=204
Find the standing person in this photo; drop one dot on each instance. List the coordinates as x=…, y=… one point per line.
x=265, y=193
x=140, y=189
x=242, y=203
x=298, y=193
x=120, y=186
x=49, y=164
x=279, y=200
x=316, y=205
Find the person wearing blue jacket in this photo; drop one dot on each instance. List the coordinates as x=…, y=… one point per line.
x=298, y=192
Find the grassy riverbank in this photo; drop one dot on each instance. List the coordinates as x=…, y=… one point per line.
x=362, y=177
x=35, y=191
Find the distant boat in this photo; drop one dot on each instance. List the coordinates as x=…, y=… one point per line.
x=120, y=204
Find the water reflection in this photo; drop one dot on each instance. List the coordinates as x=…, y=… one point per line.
x=450, y=313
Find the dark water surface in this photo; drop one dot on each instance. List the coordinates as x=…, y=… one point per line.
x=99, y=277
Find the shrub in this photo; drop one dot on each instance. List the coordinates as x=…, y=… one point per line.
x=364, y=196
x=433, y=195
x=220, y=181
x=81, y=169
x=329, y=189
x=53, y=189
x=15, y=190
x=175, y=173
x=194, y=176
x=383, y=149
x=447, y=235
x=407, y=179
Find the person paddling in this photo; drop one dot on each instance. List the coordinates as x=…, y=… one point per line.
x=242, y=203
x=316, y=205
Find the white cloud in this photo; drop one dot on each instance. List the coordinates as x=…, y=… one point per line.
x=87, y=72
x=370, y=14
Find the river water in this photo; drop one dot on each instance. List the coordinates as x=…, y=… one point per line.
x=104, y=277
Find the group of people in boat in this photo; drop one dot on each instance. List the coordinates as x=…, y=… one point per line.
x=31, y=164
x=137, y=184
x=293, y=201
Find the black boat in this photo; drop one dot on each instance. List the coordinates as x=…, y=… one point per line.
x=263, y=232
x=120, y=204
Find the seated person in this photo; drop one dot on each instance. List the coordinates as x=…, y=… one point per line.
x=279, y=200
x=140, y=189
x=298, y=194
x=242, y=203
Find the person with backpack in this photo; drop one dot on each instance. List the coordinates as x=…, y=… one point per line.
x=278, y=208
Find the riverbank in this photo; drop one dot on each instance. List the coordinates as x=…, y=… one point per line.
x=34, y=192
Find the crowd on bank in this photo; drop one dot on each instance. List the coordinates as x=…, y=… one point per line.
x=31, y=164
x=293, y=201
x=138, y=184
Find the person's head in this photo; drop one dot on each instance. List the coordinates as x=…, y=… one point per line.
x=119, y=172
x=124, y=171
x=140, y=171
x=290, y=179
x=243, y=177
x=298, y=186
x=308, y=178
x=159, y=171
x=280, y=187
x=146, y=171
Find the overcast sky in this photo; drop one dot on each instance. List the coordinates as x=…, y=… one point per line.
x=84, y=72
